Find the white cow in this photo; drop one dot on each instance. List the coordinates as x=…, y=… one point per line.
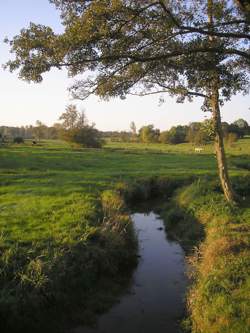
x=198, y=149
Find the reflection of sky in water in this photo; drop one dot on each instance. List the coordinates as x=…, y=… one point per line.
x=156, y=300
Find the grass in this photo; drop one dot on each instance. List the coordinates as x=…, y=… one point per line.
x=54, y=217
x=218, y=300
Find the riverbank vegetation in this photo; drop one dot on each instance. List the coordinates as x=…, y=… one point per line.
x=63, y=260
x=218, y=299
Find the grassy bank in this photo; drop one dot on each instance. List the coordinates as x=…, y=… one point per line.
x=218, y=300
x=71, y=274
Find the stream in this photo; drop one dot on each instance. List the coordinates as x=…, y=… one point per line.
x=155, y=302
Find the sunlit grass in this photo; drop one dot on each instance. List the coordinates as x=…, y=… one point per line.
x=37, y=182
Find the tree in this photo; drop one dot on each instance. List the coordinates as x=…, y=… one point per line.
x=184, y=48
x=18, y=140
x=39, y=131
x=242, y=126
x=149, y=134
x=177, y=134
x=76, y=129
x=133, y=131
x=70, y=117
x=164, y=137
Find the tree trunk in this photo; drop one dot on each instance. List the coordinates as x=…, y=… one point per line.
x=219, y=145
x=215, y=106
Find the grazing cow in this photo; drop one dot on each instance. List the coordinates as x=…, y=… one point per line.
x=198, y=149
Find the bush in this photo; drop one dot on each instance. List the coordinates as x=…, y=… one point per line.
x=18, y=140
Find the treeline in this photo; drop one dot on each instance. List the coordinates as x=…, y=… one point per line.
x=37, y=132
x=73, y=127
x=196, y=133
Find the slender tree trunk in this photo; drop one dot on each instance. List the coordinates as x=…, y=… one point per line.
x=215, y=106
x=219, y=145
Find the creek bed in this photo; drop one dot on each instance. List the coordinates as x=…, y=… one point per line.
x=156, y=299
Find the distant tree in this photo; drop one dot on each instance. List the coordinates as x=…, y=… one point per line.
x=164, y=137
x=149, y=134
x=39, y=131
x=200, y=132
x=243, y=127
x=76, y=129
x=18, y=139
x=236, y=130
x=241, y=123
x=52, y=133
x=70, y=118
x=177, y=134
x=124, y=136
x=192, y=131
x=133, y=131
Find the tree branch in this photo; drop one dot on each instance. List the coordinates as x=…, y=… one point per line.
x=164, y=56
x=190, y=93
x=216, y=33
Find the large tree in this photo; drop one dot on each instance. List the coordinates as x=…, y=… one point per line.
x=195, y=48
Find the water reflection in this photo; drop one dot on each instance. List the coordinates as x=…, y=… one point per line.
x=155, y=302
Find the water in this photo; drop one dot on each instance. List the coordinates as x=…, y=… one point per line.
x=155, y=303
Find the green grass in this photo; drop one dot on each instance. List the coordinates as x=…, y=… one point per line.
x=42, y=185
x=51, y=210
x=218, y=300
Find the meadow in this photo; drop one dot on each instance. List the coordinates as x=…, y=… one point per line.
x=54, y=200
x=39, y=183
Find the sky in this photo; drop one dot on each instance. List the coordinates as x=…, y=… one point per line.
x=23, y=103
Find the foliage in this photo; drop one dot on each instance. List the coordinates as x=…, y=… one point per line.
x=29, y=131
x=177, y=134
x=242, y=127
x=200, y=133
x=18, y=139
x=149, y=134
x=75, y=129
x=134, y=137
x=241, y=123
x=134, y=47
x=39, y=131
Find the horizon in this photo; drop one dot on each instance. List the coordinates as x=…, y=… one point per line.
x=115, y=130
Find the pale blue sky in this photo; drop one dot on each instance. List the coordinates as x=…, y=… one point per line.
x=22, y=103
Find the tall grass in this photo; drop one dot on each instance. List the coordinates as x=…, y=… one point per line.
x=45, y=278
x=218, y=300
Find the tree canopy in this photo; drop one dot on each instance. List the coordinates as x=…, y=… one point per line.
x=119, y=47
x=139, y=47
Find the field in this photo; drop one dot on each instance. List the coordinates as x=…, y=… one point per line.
x=52, y=200
x=39, y=184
